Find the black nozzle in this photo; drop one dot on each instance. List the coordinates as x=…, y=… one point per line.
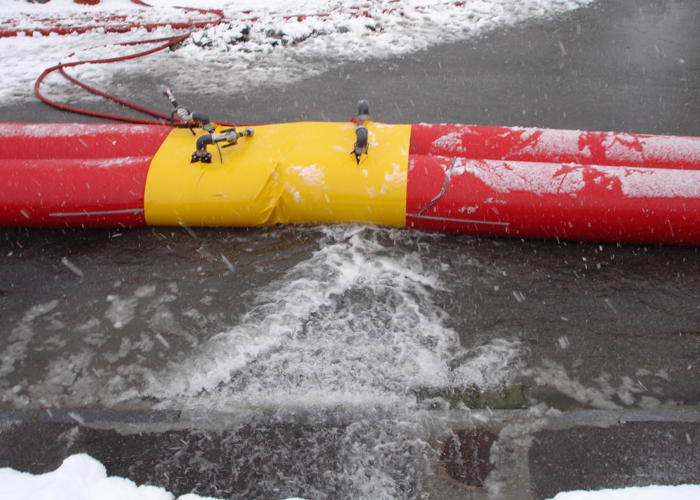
x=363, y=108
x=361, y=144
x=204, y=120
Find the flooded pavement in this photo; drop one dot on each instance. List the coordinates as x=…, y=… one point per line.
x=364, y=362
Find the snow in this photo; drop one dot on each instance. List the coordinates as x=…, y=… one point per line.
x=312, y=175
x=81, y=477
x=450, y=142
x=682, y=492
x=271, y=42
x=555, y=178
x=258, y=43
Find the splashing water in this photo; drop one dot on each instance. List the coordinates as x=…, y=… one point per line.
x=314, y=389
x=354, y=325
x=325, y=363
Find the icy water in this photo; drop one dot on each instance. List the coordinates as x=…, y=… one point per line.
x=337, y=351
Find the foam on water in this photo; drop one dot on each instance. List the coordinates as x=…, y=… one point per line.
x=347, y=333
x=356, y=324
x=21, y=336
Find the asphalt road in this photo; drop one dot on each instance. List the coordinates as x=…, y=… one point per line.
x=623, y=65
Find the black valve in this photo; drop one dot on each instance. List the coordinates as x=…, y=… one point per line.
x=229, y=135
x=201, y=154
x=361, y=133
x=363, y=110
x=361, y=144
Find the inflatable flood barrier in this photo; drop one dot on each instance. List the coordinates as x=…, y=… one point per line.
x=494, y=181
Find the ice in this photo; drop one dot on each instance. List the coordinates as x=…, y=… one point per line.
x=122, y=310
x=451, y=142
x=506, y=177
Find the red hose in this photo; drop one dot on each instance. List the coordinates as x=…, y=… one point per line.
x=168, y=42
x=113, y=98
x=116, y=24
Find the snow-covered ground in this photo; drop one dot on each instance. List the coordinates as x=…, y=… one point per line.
x=271, y=42
x=682, y=492
x=81, y=477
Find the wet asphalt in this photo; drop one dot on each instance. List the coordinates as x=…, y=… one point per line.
x=623, y=65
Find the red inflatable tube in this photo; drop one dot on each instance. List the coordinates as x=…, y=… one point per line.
x=495, y=181
x=554, y=201
x=61, y=175
x=68, y=193
x=565, y=184
x=556, y=146
x=78, y=140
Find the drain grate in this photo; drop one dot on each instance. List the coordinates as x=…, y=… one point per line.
x=466, y=456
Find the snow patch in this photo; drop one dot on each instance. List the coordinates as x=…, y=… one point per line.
x=80, y=477
x=505, y=177
x=312, y=175
x=681, y=492
x=275, y=42
x=451, y=142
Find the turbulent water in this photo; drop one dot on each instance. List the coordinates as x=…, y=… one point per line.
x=334, y=349
x=353, y=324
x=293, y=317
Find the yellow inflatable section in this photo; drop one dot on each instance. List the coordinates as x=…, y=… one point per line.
x=291, y=172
